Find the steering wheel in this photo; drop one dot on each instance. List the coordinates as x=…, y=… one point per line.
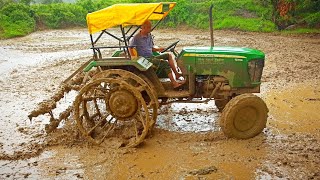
x=171, y=47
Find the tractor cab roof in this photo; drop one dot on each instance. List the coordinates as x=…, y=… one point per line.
x=127, y=14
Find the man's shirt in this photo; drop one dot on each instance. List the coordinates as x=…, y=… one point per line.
x=143, y=44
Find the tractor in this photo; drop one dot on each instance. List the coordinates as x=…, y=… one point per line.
x=119, y=95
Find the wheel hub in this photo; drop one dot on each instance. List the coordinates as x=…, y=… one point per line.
x=122, y=104
x=245, y=118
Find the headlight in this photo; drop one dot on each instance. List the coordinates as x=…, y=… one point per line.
x=255, y=69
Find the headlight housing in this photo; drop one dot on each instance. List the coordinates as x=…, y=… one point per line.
x=255, y=69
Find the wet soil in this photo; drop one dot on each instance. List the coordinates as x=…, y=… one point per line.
x=187, y=142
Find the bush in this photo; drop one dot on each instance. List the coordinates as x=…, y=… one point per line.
x=179, y=14
x=239, y=23
x=60, y=15
x=5, y=2
x=88, y=5
x=11, y=7
x=227, y=14
x=16, y=20
x=312, y=19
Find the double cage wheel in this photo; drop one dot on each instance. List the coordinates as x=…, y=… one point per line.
x=116, y=104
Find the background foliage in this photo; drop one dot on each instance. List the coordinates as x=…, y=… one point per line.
x=20, y=17
x=59, y=15
x=16, y=20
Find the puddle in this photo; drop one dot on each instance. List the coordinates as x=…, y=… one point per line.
x=189, y=117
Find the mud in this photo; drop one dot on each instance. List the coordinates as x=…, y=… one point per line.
x=187, y=142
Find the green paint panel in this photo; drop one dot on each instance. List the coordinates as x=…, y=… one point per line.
x=141, y=63
x=229, y=62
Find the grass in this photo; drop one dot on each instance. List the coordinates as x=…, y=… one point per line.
x=245, y=15
x=302, y=31
x=244, y=24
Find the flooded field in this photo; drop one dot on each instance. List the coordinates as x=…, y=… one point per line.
x=187, y=142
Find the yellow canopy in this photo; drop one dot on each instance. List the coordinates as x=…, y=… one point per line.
x=127, y=14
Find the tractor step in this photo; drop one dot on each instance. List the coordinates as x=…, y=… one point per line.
x=177, y=93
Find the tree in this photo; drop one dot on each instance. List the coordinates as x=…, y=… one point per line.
x=289, y=12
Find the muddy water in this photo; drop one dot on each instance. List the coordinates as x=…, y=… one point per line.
x=189, y=117
x=187, y=142
x=296, y=109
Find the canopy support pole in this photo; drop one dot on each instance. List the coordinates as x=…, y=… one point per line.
x=126, y=50
x=92, y=44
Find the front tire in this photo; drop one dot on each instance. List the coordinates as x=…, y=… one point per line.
x=245, y=116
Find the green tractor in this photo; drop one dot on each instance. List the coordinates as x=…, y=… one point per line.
x=119, y=95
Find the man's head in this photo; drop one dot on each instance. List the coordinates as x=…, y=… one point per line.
x=146, y=27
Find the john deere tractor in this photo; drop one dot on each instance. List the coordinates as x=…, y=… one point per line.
x=119, y=95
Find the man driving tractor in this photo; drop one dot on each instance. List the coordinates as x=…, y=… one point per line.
x=143, y=43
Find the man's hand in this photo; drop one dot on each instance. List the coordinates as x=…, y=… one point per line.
x=157, y=49
x=161, y=49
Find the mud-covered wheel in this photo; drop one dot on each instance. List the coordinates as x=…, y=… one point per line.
x=140, y=82
x=109, y=108
x=245, y=116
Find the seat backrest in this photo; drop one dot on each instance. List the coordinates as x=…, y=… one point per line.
x=134, y=52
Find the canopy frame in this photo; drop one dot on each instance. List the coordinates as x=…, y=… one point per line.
x=123, y=39
x=126, y=35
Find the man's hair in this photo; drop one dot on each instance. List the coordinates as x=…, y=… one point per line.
x=147, y=22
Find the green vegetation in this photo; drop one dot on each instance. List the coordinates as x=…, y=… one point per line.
x=227, y=14
x=301, y=31
x=20, y=17
x=16, y=20
x=59, y=15
x=288, y=13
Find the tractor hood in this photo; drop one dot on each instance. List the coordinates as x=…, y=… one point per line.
x=228, y=52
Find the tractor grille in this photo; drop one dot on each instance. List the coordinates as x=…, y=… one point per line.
x=255, y=69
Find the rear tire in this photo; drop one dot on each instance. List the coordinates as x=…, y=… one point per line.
x=245, y=116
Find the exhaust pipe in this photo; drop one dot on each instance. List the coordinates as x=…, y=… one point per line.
x=211, y=25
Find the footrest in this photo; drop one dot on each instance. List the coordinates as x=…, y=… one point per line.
x=177, y=94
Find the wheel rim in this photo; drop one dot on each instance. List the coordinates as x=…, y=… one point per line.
x=98, y=119
x=122, y=104
x=140, y=84
x=245, y=118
